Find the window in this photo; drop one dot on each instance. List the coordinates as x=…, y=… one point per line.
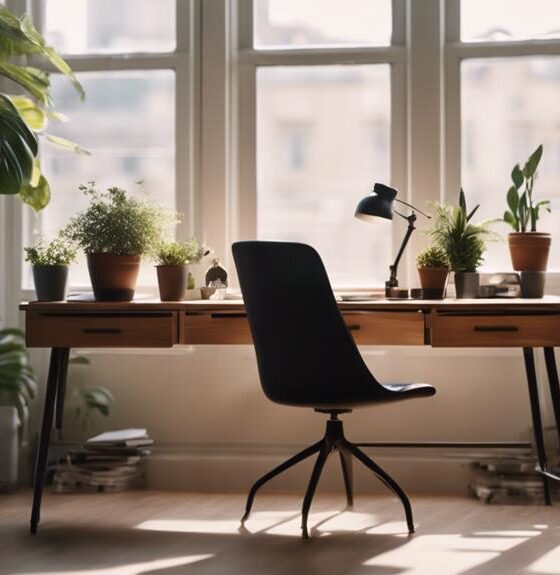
x=128, y=119
x=320, y=127
x=508, y=98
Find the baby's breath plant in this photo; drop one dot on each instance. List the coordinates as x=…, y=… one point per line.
x=59, y=252
x=116, y=223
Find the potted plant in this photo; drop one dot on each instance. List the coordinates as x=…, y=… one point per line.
x=17, y=389
x=50, y=267
x=528, y=248
x=26, y=108
x=433, y=269
x=463, y=242
x=115, y=231
x=172, y=259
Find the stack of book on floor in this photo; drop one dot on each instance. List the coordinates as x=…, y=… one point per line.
x=111, y=461
x=507, y=482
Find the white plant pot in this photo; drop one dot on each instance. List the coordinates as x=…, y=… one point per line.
x=9, y=448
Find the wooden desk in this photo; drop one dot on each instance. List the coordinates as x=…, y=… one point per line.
x=525, y=324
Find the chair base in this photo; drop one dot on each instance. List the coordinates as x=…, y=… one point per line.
x=333, y=441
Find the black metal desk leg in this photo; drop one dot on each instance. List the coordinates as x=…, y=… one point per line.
x=61, y=387
x=536, y=416
x=554, y=385
x=57, y=355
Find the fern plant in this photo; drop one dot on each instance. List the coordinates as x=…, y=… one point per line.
x=462, y=241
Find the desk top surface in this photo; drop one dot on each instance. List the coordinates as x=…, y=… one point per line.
x=549, y=302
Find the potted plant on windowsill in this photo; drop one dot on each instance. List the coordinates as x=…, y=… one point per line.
x=433, y=269
x=528, y=248
x=172, y=259
x=115, y=231
x=17, y=389
x=463, y=242
x=50, y=267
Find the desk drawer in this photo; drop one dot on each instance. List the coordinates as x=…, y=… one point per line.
x=214, y=328
x=495, y=331
x=368, y=328
x=386, y=327
x=100, y=329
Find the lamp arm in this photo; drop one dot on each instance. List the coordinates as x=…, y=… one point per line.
x=412, y=208
x=393, y=282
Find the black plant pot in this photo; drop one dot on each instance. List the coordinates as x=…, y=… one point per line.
x=50, y=282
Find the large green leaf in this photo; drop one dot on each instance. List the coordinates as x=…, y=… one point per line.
x=34, y=81
x=37, y=196
x=533, y=162
x=67, y=144
x=517, y=176
x=50, y=53
x=34, y=116
x=513, y=199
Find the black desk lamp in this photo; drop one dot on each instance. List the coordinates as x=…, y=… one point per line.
x=379, y=204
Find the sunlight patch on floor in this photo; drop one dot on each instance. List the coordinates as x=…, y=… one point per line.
x=397, y=528
x=549, y=563
x=132, y=568
x=457, y=552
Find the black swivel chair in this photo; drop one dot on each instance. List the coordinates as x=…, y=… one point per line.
x=307, y=357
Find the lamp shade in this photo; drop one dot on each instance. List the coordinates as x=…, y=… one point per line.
x=379, y=204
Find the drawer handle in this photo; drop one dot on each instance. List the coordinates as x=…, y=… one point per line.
x=103, y=330
x=218, y=315
x=496, y=328
x=353, y=326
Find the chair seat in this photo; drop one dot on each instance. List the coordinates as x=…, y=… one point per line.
x=389, y=393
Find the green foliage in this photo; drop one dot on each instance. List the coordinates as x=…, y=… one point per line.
x=432, y=257
x=18, y=386
x=462, y=241
x=522, y=209
x=24, y=117
x=116, y=223
x=178, y=253
x=59, y=252
x=88, y=400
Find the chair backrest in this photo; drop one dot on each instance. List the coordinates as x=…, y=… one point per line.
x=305, y=353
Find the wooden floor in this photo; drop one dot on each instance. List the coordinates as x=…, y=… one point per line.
x=163, y=533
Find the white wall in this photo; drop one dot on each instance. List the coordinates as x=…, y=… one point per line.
x=215, y=430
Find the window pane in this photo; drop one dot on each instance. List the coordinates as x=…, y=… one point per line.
x=127, y=122
x=320, y=23
x=500, y=20
x=110, y=26
x=509, y=107
x=323, y=139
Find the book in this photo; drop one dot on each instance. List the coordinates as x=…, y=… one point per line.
x=120, y=438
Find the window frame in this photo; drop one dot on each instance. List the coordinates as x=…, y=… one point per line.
x=249, y=59
x=456, y=52
x=182, y=61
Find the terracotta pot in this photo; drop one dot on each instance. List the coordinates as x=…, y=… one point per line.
x=113, y=278
x=50, y=282
x=433, y=278
x=529, y=251
x=172, y=282
x=466, y=285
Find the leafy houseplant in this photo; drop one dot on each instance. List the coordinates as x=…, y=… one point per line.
x=23, y=118
x=172, y=259
x=463, y=242
x=433, y=268
x=50, y=267
x=528, y=248
x=114, y=231
x=17, y=389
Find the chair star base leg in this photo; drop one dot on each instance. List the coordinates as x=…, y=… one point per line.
x=333, y=441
